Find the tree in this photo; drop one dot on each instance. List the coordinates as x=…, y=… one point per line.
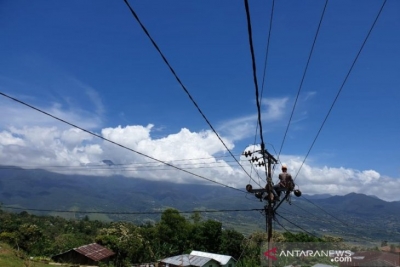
x=127, y=243
x=211, y=232
x=196, y=217
x=31, y=239
x=173, y=230
x=231, y=243
x=64, y=242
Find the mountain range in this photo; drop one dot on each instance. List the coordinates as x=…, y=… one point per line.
x=355, y=217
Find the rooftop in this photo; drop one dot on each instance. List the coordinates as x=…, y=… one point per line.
x=187, y=260
x=94, y=251
x=223, y=259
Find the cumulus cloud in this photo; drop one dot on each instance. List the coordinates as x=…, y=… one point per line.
x=341, y=181
x=332, y=180
x=74, y=151
x=8, y=138
x=78, y=152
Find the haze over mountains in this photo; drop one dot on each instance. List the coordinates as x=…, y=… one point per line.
x=355, y=217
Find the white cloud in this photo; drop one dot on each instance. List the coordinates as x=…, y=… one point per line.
x=242, y=127
x=17, y=115
x=309, y=95
x=7, y=138
x=334, y=180
x=78, y=152
x=195, y=152
x=275, y=108
x=93, y=95
x=341, y=181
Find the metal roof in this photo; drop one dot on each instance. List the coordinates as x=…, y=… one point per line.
x=222, y=259
x=94, y=251
x=187, y=260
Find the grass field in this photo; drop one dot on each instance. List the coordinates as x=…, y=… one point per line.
x=9, y=258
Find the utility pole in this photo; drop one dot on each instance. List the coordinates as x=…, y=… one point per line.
x=269, y=211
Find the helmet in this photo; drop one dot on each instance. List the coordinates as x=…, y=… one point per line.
x=284, y=166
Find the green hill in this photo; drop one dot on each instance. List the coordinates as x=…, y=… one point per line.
x=352, y=216
x=12, y=258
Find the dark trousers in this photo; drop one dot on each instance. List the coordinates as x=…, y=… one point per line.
x=278, y=189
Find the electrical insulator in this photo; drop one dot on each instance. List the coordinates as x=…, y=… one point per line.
x=249, y=188
x=297, y=193
x=247, y=154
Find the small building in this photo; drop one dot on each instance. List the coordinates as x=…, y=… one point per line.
x=224, y=260
x=188, y=261
x=90, y=254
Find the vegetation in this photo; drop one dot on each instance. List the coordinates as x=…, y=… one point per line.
x=357, y=217
x=25, y=239
x=172, y=235
x=16, y=258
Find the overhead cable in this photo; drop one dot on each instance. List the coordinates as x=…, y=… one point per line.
x=125, y=212
x=253, y=61
x=115, y=143
x=344, y=82
x=266, y=58
x=267, y=48
x=297, y=226
x=304, y=75
x=325, y=211
x=182, y=85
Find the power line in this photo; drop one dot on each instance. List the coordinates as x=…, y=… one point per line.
x=277, y=221
x=323, y=211
x=182, y=85
x=344, y=223
x=266, y=58
x=267, y=49
x=297, y=226
x=126, y=213
x=304, y=75
x=321, y=223
x=265, y=65
x=115, y=143
x=127, y=167
x=150, y=164
x=253, y=60
x=344, y=82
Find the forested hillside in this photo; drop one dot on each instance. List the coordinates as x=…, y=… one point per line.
x=174, y=234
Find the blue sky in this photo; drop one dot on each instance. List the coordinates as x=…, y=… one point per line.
x=90, y=63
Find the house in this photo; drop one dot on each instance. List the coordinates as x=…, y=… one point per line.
x=189, y=261
x=224, y=260
x=90, y=254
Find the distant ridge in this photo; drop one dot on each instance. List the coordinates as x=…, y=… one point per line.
x=362, y=204
x=318, y=196
x=39, y=189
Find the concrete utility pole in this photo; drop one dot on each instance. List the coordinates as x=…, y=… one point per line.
x=269, y=211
